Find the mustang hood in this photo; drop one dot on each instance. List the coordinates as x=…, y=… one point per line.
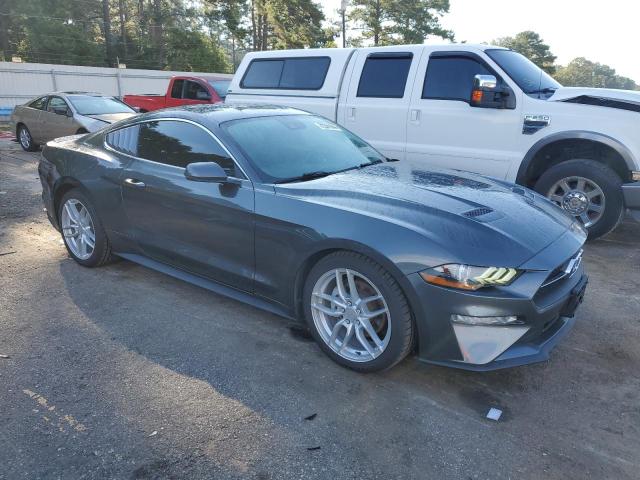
x=502, y=223
x=111, y=117
x=606, y=97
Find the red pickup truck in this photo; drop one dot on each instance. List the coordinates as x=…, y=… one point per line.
x=182, y=91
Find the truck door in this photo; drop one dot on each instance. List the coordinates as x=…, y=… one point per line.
x=444, y=130
x=377, y=102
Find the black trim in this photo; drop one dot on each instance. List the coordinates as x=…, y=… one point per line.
x=407, y=55
x=284, y=59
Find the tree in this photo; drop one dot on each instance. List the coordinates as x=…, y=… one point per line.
x=581, y=72
x=531, y=45
x=388, y=22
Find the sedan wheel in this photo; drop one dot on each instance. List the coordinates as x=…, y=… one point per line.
x=351, y=315
x=25, y=139
x=580, y=197
x=77, y=229
x=357, y=312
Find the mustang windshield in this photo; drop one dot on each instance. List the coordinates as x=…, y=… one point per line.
x=529, y=77
x=299, y=147
x=93, y=105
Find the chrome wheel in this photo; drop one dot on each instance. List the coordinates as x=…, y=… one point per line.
x=25, y=138
x=351, y=315
x=77, y=229
x=580, y=197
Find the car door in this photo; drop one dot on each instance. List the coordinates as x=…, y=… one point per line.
x=175, y=96
x=444, y=130
x=195, y=93
x=379, y=95
x=203, y=228
x=30, y=116
x=55, y=121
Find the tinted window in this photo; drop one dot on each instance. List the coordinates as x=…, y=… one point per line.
x=306, y=73
x=179, y=144
x=40, y=103
x=287, y=146
x=124, y=140
x=221, y=87
x=451, y=78
x=56, y=105
x=195, y=91
x=176, y=90
x=92, y=105
x=528, y=76
x=384, y=76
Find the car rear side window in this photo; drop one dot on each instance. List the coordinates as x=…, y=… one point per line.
x=385, y=75
x=176, y=89
x=303, y=73
x=40, y=103
x=179, y=144
x=451, y=78
x=124, y=140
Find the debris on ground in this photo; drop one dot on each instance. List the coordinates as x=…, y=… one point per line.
x=311, y=417
x=313, y=448
x=155, y=432
x=2, y=355
x=494, y=414
x=7, y=253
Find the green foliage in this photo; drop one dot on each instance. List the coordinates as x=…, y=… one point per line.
x=389, y=22
x=530, y=45
x=581, y=72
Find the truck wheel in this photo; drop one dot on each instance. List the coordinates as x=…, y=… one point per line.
x=587, y=190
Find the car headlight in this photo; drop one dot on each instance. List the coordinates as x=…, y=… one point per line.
x=467, y=277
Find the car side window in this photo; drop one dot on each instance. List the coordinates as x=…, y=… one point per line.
x=124, y=140
x=39, y=103
x=176, y=89
x=451, y=78
x=384, y=75
x=57, y=105
x=179, y=144
x=195, y=91
x=293, y=73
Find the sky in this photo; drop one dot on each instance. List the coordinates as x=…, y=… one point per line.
x=603, y=31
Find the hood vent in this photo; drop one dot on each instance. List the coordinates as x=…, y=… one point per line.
x=477, y=212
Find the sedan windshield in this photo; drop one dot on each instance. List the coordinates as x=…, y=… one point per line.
x=221, y=87
x=92, y=105
x=529, y=77
x=299, y=147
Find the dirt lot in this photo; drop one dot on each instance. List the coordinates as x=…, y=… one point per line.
x=122, y=372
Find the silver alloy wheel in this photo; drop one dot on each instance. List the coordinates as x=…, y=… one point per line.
x=580, y=197
x=25, y=138
x=351, y=315
x=77, y=229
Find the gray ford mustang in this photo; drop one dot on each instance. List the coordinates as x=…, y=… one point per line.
x=291, y=213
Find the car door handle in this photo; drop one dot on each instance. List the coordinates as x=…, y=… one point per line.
x=415, y=116
x=351, y=113
x=132, y=182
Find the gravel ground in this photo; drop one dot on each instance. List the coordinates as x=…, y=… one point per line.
x=121, y=372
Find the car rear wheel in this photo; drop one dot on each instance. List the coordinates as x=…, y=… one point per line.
x=82, y=231
x=26, y=140
x=357, y=312
x=587, y=190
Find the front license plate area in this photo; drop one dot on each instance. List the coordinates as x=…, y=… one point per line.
x=575, y=299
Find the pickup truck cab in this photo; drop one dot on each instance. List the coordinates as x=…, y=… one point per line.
x=477, y=108
x=182, y=91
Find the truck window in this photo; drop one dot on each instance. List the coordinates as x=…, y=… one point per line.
x=451, y=78
x=384, y=75
x=176, y=89
x=195, y=91
x=302, y=73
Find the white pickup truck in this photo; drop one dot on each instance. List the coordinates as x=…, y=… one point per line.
x=470, y=107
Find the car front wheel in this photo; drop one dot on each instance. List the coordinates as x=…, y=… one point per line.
x=26, y=140
x=357, y=312
x=82, y=231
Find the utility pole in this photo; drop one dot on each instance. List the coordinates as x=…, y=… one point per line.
x=343, y=13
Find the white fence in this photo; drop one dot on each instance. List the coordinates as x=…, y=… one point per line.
x=21, y=81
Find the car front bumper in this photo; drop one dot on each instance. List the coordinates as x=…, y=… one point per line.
x=48, y=176
x=631, y=193
x=546, y=312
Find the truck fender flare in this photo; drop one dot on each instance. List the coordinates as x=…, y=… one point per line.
x=611, y=142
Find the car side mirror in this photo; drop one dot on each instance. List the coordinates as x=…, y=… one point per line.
x=68, y=113
x=207, y=172
x=202, y=95
x=488, y=92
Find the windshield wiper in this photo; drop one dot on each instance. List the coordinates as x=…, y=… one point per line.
x=306, y=176
x=544, y=90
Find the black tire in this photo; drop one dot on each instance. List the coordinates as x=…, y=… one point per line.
x=402, y=328
x=101, y=254
x=598, y=173
x=82, y=131
x=26, y=140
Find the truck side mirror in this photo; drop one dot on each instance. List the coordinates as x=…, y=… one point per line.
x=489, y=93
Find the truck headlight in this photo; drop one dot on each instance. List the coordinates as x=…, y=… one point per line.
x=467, y=277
